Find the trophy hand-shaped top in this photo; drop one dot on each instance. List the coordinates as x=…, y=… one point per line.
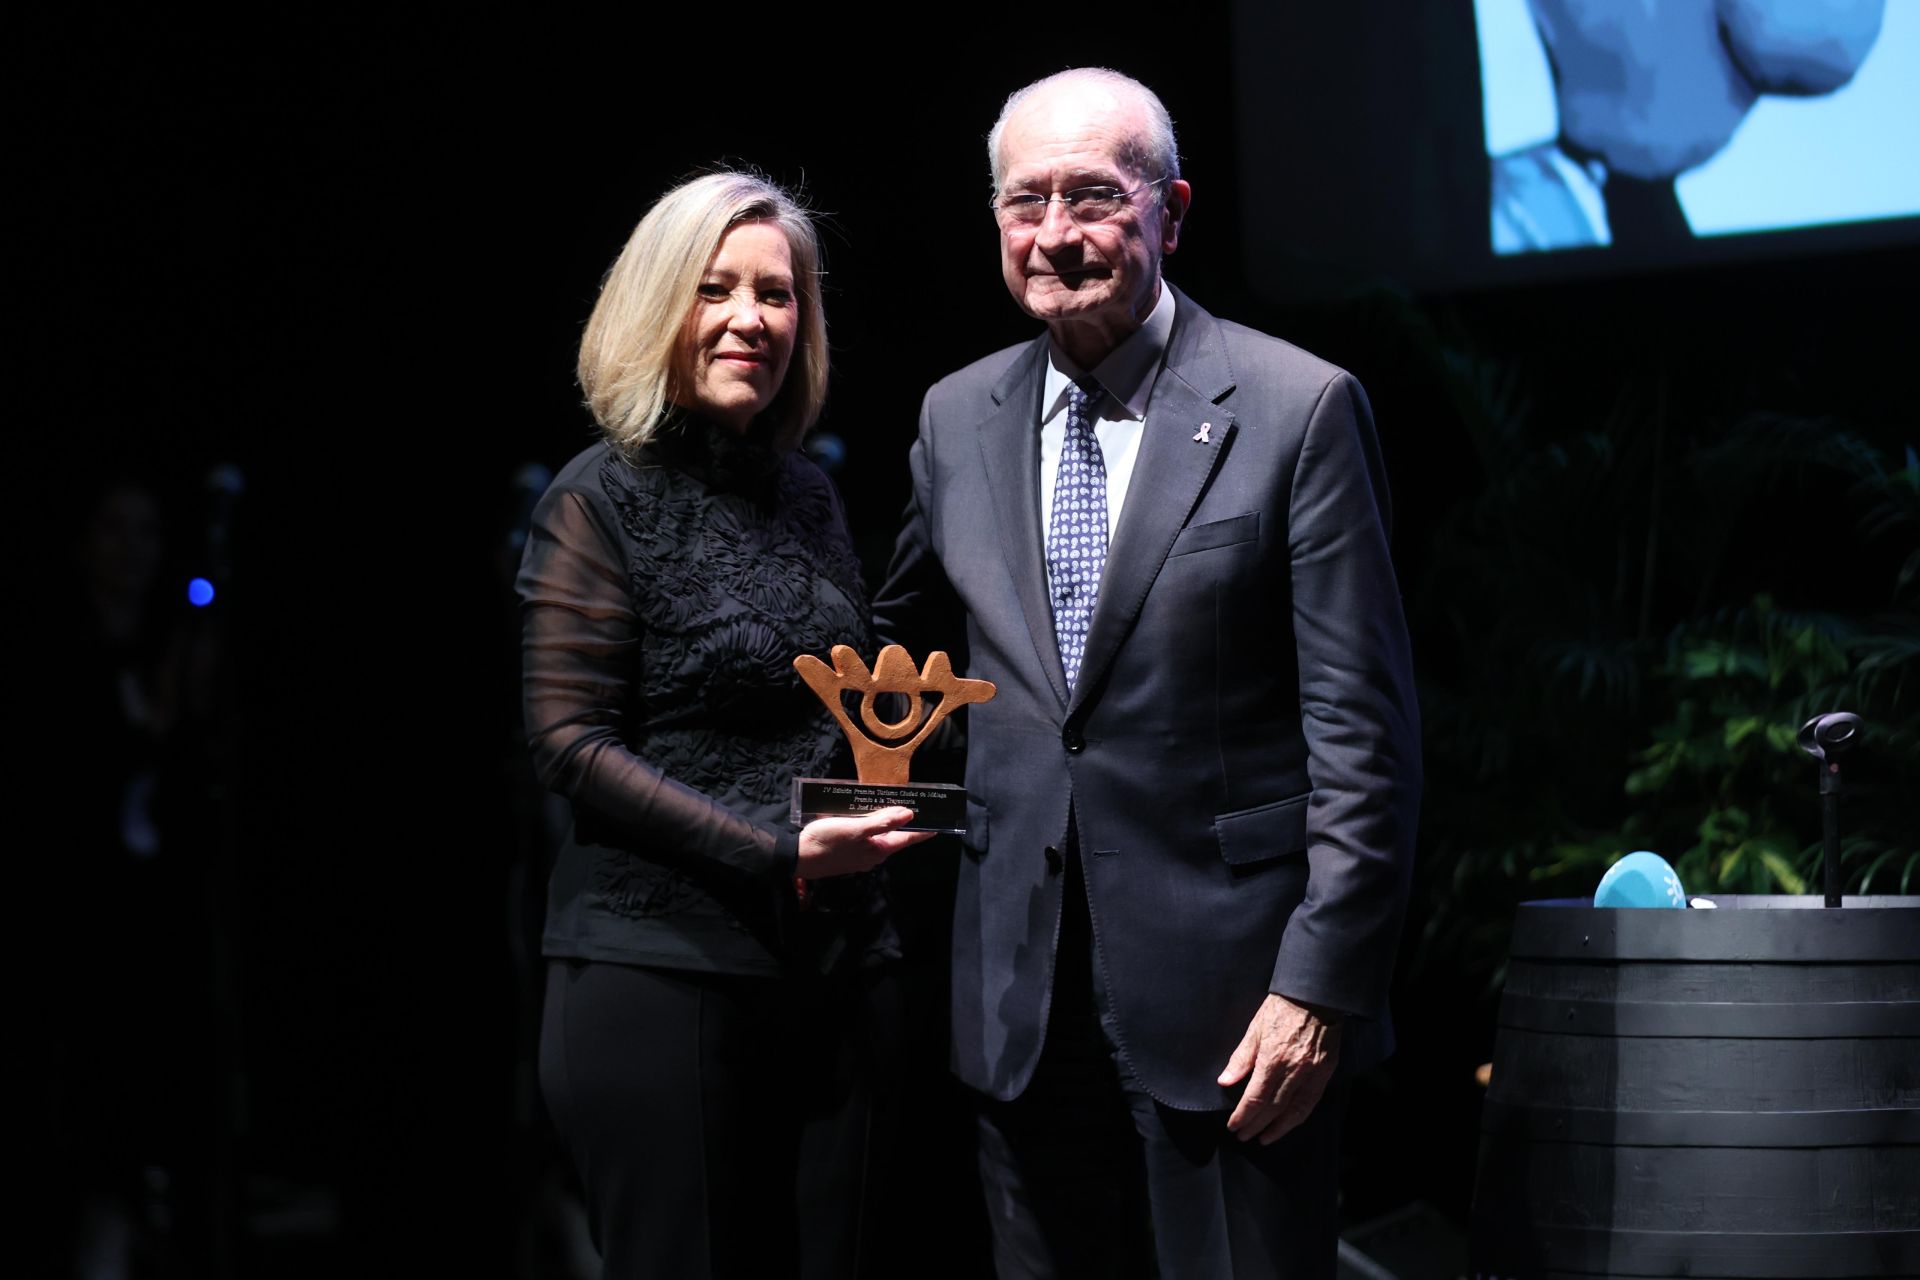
x=877, y=761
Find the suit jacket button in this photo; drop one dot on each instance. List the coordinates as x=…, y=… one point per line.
x=1070, y=739
x=1053, y=860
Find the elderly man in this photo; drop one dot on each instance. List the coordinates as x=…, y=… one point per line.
x=1192, y=804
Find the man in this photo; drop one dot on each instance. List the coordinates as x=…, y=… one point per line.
x=1191, y=805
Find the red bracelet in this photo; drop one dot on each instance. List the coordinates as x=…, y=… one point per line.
x=803, y=891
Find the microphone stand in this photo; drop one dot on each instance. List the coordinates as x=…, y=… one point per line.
x=1826, y=738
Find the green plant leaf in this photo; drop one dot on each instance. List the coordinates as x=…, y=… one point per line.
x=1783, y=873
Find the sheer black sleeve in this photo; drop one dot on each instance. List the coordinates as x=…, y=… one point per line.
x=580, y=648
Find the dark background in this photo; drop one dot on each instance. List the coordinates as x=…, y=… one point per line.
x=352, y=257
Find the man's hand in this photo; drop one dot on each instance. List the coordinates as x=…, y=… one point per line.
x=1289, y=1054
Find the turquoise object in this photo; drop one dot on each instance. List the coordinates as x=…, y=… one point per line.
x=1641, y=879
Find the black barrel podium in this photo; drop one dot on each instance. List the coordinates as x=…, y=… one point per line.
x=1725, y=1093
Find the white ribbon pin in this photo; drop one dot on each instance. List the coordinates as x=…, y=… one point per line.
x=1200, y=436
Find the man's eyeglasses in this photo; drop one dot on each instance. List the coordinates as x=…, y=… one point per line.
x=1083, y=204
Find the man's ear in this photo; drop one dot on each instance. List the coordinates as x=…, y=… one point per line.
x=1173, y=213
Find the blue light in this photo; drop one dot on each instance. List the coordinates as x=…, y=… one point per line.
x=199, y=593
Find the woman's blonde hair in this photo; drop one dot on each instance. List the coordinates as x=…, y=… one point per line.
x=629, y=352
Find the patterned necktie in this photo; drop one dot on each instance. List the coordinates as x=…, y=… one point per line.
x=1077, y=534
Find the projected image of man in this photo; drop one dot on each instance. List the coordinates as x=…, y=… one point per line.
x=1648, y=92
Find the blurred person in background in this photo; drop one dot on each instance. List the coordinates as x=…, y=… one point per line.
x=123, y=701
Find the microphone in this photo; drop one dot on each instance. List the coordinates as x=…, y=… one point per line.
x=1826, y=738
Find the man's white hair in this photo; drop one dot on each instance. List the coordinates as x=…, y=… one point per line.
x=1154, y=155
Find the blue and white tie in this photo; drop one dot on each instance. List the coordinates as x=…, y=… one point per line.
x=1077, y=533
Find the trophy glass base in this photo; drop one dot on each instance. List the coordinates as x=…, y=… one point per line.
x=937, y=806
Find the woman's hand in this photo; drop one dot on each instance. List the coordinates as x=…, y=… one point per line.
x=842, y=846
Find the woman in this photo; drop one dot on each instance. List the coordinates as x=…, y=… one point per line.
x=707, y=1048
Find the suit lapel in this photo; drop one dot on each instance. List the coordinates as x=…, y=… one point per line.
x=1010, y=450
x=1175, y=461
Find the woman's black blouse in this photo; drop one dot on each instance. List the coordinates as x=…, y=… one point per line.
x=663, y=600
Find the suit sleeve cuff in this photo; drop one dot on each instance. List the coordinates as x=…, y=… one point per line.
x=1326, y=1013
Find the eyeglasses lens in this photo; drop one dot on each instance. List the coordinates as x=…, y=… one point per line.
x=1087, y=204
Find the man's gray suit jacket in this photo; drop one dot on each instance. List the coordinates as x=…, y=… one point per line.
x=1241, y=752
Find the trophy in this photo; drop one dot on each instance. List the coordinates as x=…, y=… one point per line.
x=882, y=752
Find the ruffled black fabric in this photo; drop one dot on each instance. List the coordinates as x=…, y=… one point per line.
x=666, y=595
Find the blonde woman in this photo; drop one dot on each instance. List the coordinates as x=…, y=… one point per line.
x=716, y=991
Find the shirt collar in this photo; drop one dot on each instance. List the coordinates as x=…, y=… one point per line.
x=1128, y=372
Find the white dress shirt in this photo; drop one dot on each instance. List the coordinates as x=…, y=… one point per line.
x=1126, y=377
